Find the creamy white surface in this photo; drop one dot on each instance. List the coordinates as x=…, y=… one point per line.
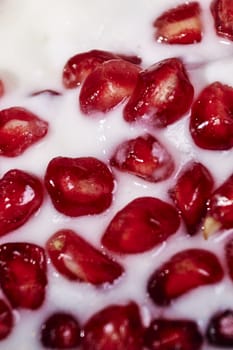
x=36, y=40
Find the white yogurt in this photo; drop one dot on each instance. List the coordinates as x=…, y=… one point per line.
x=36, y=40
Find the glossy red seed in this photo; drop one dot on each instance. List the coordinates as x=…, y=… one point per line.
x=180, y=25
x=182, y=273
x=23, y=274
x=76, y=259
x=141, y=225
x=21, y=195
x=108, y=85
x=220, y=209
x=6, y=320
x=81, y=65
x=171, y=334
x=190, y=194
x=117, y=327
x=163, y=94
x=229, y=257
x=19, y=129
x=144, y=157
x=79, y=186
x=61, y=331
x=222, y=12
x=211, y=122
x=220, y=329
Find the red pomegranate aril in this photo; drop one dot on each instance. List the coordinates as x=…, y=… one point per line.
x=180, y=25
x=117, y=327
x=6, y=320
x=171, y=334
x=182, y=273
x=141, y=225
x=61, y=331
x=79, y=186
x=220, y=329
x=211, y=122
x=220, y=209
x=163, y=94
x=2, y=88
x=229, y=257
x=190, y=194
x=144, y=157
x=108, y=85
x=76, y=259
x=81, y=65
x=19, y=129
x=222, y=12
x=21, y=195
x=23, y=276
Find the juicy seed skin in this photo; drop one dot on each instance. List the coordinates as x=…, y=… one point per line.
x=107, y=86
x=23, y=274
x=222, y=13
x=170, y=334
x=141, y=225
x=183, y=272
x=19, y=130
x=191, y=193
x=220, y=329
x=76, y=259
x=6, y=320
x=21, y=195
x=144, y=157
x=180, y=25
x=61, y=331
x=117, y=327
x=163, y=94
x=211, y=122
x=79, y=186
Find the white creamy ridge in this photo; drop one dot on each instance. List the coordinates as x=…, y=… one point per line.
x=36, y=40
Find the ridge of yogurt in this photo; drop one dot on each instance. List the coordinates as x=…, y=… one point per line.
x=37, y=39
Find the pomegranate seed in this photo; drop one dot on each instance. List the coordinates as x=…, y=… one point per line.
x=79, y=186
x=21, y=194
x=180, y=25
x=48, y=92
x=141, y=225
x=19, y=129
x=182, y=273
x=163, y=94
x=229, y=257
x=190, y=194
x=222, y=12
x=76, y=259
x=220, y=329
x=6, y=320
x=81, y=65
x=167, y=334
x=117, y=327
x=145, y=157
x=2, y=88
x=61, y=330
x=108, y=85
x=211, y=122
x=220, y=209
x=23, y=274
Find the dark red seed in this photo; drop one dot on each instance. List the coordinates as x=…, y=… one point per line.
x=172, y=334
x=182, y=273
x=222, y=12
x=220, y=329
x=61, y=331
x=79, y=186
x=117, y=327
